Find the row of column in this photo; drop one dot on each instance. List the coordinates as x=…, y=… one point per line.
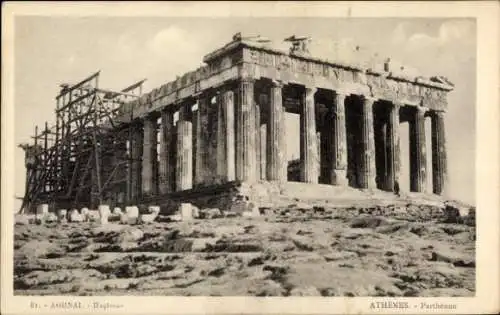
x=337, y=145
x=245, y=150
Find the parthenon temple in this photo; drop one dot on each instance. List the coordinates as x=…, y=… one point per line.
x=224, y=123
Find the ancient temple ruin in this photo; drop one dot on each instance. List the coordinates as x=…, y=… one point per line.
x=223, y=124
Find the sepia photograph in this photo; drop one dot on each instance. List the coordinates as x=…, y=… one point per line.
x=244, y=156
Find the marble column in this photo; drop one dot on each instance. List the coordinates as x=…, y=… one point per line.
x=149, y=156
x=184, y=178
x=338, y=136
x=135, y=158
x=220, y=141
x=194, y=121
x=418, y=155
x=367, y=152
x=276, y=164
x=166, y=168
x=439, y=158
x=119, y=159
x=258, y=153
x=245, y=132
x=263, y=154
x=308, y=139
x=201, y=143
x=393, y=149
x=225, y=136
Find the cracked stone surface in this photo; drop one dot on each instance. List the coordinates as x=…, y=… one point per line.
x=327, y=251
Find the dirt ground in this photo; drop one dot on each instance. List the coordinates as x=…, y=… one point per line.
x=299, y=250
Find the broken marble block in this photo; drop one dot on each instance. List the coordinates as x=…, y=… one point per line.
x=75, y=216
x=104, y=213
x=42, y=209
x=62, y=215
x=186, y=211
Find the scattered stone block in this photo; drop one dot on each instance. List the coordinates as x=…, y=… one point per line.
x=93, y=216
x=39, y=218
x=123, y=218
x=175, y=217
x=104, y=213
x=132, y=211
x=195, y=211
x=84, y=212
x=147, y=218
x=117, y=211
x=186, y=211
x=62, y=215
x=74, y=216
x=126, y=219
x=42, y=209
x=50, y=217
x=154, y=209
x=210, y=213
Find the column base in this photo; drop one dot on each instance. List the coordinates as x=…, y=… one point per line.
x=339, y=178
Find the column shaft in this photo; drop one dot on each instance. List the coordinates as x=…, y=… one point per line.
x=418, y=155
x=245, y=133
x=338, y=169
x=221, y=140
x=149, y=156
x=258, y=153
x=308, y=139
x=120, y=155
x=439, y=156
x=276, y=164
x=367, y=152
x=263, y=154
x=201, y=143
x=135, y=158
x=166, y=169
x=393, y=149
x=225, y=137
x=228, y=110
x=184, y=150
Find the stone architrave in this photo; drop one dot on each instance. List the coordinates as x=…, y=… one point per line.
x=276, y=168
x=308, y=138
x=418, y=155
x=367, y=152
x=184, y=178
x=439, y=158
x=149, y=157
x=393, y=149
x=166, y=169
x=245, y=132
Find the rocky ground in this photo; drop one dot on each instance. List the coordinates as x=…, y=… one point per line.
x=290, y=251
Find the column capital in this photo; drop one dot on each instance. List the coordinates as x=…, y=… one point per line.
x=247, y=80
x=421, y=110
x=398, y=104
x=439, y=112
x=370, y=98
x=342, y=92
x=310, y=89
x=277, y=83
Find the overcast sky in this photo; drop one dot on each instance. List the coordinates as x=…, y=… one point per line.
x=50, y=51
